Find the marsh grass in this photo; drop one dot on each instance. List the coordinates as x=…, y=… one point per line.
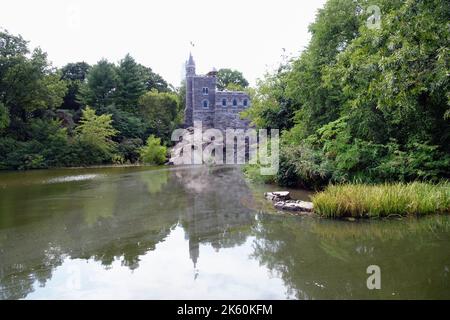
x=399, y=199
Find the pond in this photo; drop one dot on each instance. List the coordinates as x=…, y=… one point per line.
x=199, y=233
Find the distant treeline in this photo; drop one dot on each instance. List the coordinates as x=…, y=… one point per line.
x=365, y=102
x=82, y=115
x=79, y=114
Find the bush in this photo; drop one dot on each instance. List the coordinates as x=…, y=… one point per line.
x=21, y=155
x=49, y=147
x=127, y=124
x=253, y=173
x=359, y=105
x=129, y=149
x=362, y=200
x=159, y=111
x=4, y=116
x=153, y=152
x=96, y=130
x=301, y=165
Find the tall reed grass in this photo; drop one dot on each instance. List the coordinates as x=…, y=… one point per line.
x=362, y=200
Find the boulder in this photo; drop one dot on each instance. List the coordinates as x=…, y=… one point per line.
x=278, y=196
x=292, y=205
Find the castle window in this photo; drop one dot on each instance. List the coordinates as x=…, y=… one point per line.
x=205, y=91
x=224, y=102
x=234, y=102
x=205, y=104
x=245, y=102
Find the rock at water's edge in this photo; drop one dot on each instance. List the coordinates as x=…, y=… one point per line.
x=292, y=205
x=282, y=201
x=278, y=196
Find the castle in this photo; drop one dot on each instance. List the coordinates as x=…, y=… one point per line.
x=216, y=109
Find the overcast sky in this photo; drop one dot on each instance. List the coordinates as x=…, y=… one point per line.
x=247, y=35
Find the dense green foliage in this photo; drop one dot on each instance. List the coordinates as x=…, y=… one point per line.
x=96, y=131
x=4, y=116
x=228, y=77
x=99, y=90
x=360, y=200
x=364, y=104
x=153, y=152
x=45, y=120
x=74, y=74
x=161, y=111
x=130, y=84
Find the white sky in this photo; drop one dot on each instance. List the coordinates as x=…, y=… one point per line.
x=247, y=35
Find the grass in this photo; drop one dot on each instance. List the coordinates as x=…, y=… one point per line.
x=253, y=173
x=399, y=199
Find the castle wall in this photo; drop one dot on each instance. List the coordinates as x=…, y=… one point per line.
x=228, y=116
x=200, y=113
x=205, y=104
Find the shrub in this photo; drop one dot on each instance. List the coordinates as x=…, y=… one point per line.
x=253, y=173
x=21, y=155
x=153, y=152
x=4, y=116
x=129, y=149
x=362, y=200
x=49, y=143
x=159, y=111
x=304, y=166
x=127, y=124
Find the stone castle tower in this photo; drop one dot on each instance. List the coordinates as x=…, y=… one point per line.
x=216, y=109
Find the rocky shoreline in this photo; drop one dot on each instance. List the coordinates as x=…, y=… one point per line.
x=282, y=200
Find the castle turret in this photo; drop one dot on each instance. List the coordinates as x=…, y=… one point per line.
x=214, y=109
x=212, y=73
x=190, y=73
x=190, y=66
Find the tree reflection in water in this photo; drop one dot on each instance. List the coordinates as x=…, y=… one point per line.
x=117, y=217
x=328, y=259
x=122, y=214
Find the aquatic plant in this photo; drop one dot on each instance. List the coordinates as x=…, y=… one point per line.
x=384, y=200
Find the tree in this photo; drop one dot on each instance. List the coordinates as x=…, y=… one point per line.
x=4, y=116
x=28, y=84
x=271, y=108
x=160, y=111
x=181, y=93
x=336, y=25
x=153, y=152
x=34, y=97
x=129, y=149
x=74, y=74
x=226, y=77
x=97, y=131
x=12, y=46
x=153, y=80
x=130, y=84
x=394, y=84
x=128, y=125
x=369, y=104
x=101, y=84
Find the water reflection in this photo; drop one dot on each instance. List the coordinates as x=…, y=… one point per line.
x=198, y=233
x=328, y=259
x=72, y=178
x=214, y=214
x=115, y=217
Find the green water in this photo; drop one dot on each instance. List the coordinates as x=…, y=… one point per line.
x=155, y=233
